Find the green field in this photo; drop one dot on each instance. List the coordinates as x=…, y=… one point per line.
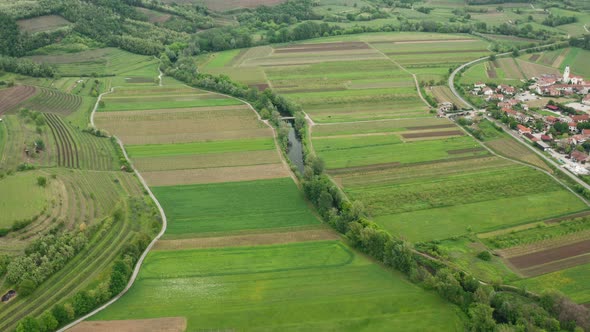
x=159, y=150
x=571, y=282
x=441, y=223
x=360, y=151
x=26, y=198
x=294, y=287
x=233, y=206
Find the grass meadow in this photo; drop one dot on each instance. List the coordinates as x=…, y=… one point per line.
x=293, y=287
x=26, y=198
x=233, y=207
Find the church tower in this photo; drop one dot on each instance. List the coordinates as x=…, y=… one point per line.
x=566, y=74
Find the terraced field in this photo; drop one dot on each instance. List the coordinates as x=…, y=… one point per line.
x=76, y=149
x=53, y=101
x=259, y=226
x=11, y=97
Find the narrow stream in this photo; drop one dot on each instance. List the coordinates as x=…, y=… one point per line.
x=295, y=148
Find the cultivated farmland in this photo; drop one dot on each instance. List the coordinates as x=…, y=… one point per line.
x=241, y=286
x=219, y=177
x=318, y=75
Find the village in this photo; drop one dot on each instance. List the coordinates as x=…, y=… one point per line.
x=552, y=113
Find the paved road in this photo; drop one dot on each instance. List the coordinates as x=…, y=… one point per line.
x=509, y=131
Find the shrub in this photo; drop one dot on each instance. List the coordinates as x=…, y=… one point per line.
x=42, y=181
x=485, y=256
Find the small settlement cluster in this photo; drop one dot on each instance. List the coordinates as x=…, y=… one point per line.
x=553, y=112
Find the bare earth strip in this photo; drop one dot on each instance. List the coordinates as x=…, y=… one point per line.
x=171, y=324
x=247, y=240
x=542, y=245
x=232, y=159
x=216, y=175
x=556, y=265
x=550, y=255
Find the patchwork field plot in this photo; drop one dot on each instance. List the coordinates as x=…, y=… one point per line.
x=42, y=23
x=102, y=61
x=290, y=287
x=53, y=101
x=548, y=254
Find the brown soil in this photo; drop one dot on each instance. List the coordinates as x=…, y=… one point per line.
x=433, y=134
x=11, y=97
x=449, y=125
x=570, y=216
x=216, y=175
x=462, y=151
x=556, y=265
x=260, y=86
x=534, y=57
x=437, y=52
x=170, y=324
x=550, y=255
x=305, y=48
x=247, y=240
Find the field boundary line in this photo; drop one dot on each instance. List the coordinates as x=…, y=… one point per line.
x=149, y=247
x=407, y=71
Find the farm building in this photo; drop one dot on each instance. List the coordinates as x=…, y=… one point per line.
x=581, y=118
x=552, y=108
x=523, y=129
x=573, y=127
x=579, y=156
x=544, y=146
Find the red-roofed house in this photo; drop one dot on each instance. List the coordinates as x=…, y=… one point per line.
x=581, y=118
x=507, y=89
x=579, y=156
x=487, y=91
x=552, y=107
x=479, y=85
x=586, y=132
x=573, y=127
x=551, y=119
x=546, y=138
x=522, y=129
